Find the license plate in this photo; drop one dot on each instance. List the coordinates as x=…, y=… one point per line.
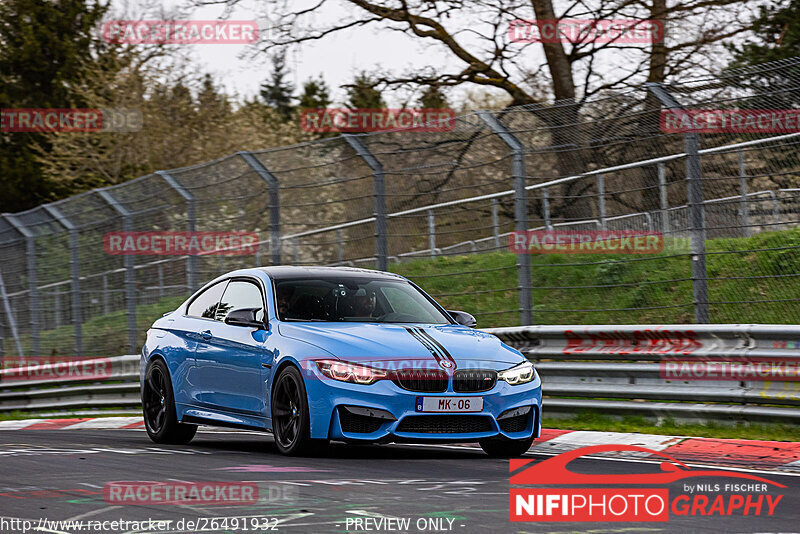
x=449, y=404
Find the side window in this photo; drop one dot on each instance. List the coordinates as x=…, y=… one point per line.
x=205, y=305
x=240, y=294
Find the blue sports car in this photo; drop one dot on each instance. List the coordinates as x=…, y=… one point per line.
x=315, y=354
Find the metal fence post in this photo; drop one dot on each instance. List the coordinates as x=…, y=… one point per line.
x=106, y=296
x=520, y=211
x=697, y=225
x=130, y=272
x=379, y=184
x=12, y=325
x=75, y=273
x=495, y=224
x=274, y=204
x=339, y=246
x=431, y=233
x=33, y=290
x=601, y=200
x=160, y=280
x=56, y=308
x=191, y=225
x=546, y=208
x=744, y=207
x=663, y=199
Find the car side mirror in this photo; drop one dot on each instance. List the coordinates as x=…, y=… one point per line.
x=463, y=318
x=245, y=317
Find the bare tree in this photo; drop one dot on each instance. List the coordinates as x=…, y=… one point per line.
x=476, y=33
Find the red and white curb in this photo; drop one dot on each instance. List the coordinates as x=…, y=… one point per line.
x=94, y=423
x=740, y=453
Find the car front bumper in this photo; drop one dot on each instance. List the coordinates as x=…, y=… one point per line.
x=384, y=412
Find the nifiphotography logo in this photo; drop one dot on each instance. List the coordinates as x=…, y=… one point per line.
x=576, y=497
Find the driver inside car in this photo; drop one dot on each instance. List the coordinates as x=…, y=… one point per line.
x=364, y=303
x=285, y=294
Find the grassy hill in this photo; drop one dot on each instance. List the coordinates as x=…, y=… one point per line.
x=620, y=289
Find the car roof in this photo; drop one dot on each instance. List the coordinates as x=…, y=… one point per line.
x=280, y=272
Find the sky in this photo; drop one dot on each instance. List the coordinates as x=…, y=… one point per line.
x=338, y=58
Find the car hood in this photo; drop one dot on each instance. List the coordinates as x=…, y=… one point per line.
x=364, y=342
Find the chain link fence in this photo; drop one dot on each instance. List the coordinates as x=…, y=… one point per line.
x=439, y=207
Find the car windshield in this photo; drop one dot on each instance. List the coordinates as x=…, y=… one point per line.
x=354, y=299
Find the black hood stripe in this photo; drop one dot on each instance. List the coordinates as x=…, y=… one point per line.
x=441, y=348
x=425, y=343
x=436, y=349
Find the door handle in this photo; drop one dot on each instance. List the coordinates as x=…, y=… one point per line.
x=206, y=334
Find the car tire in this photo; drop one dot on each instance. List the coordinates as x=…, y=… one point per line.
x=291, y=421
x=505, y=448
x=158, y=407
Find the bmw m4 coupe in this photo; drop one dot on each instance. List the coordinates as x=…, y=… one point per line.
x=314, y=354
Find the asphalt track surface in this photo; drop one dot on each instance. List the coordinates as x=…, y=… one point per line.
x=60, y=475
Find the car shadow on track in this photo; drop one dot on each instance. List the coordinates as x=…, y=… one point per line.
x=263, y=444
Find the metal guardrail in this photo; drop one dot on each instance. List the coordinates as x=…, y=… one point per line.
x=609, y=369
x=624, y=369
x=114, y=383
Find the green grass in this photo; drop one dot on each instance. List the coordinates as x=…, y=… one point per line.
x=103, y=335
x=641, y=289
x=595, y=421
x=634, y=290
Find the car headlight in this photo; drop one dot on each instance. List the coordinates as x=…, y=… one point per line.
x=350, y=372
x=519, y=374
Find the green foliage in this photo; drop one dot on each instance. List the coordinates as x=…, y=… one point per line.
x=45, y=46
x=777, y=36
x=433, y=98
x=362, y=93
x=316, y=94
x=277, y=91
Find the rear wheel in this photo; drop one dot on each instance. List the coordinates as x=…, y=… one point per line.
x=505, y=448
x=158, y=407
x=290, y=417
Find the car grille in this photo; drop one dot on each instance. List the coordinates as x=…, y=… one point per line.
x=421, y=380
x=470, y=381
x=358, y=424
x=445, y=424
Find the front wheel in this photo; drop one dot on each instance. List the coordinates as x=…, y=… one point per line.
x=290, y=418
x=158, y=407
x=505, y=448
